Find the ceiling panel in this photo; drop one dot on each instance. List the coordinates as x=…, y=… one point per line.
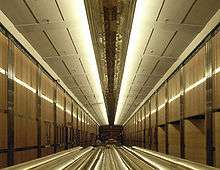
x=74, y=65
x=58, y=66
x=140, y=47
x=138, y=100
x=175, y=13
x=156, y=47
x=13, y=9
x=132, y=95
x=81, y=79
x=40, y=9
x=153, y=9
x=76, y=91
x=147, y=64
x=202, y=12
x=152, y=81
x=134, y=89
x=41, y=43
x=145, y=90
x=162, y=67
x=179, y=43
x=87, y=90
x=69, y=81
x=96, y=108
x=82, y=99
x=140, y=79
x=67, y=7
x=62, y=41
x=91, y=99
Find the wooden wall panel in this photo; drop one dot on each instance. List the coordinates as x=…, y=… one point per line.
x=3, y=94
x=217, y=138
x=216, y=69
x=3, y=99
x=161, y=105
x=153, y=122
x=25, y=85
x=174, y=97
x=195, y=85
x=3, y=160
x=147, y=114
x=147, y=124
x=47, y=151
x=3, y=79
x=60, y=106
x=23, y=156
x=60, y=115
x=47, y=92
x=174, y=139
x=153, y=110
x=195, y=145
x=24, y=100
x=68, y=110
x=3, y=131
x=74, y=115
x=47, y=111
x=161, y=139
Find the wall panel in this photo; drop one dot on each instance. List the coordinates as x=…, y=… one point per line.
x=23, y=156
x=147, y=119
x=3, y=99
x=195, y=85
x=47, y=112
x=3, y=160
x=217, y=138
x=161, y=105
x=195, y=145
x=216, y=70
x=174, y=97
x=174, y=139
x=161, y=139
x=25, y=108
x=153, y=122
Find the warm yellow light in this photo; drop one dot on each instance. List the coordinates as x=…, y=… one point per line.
x=46, y=98
x=134, y=53
x=174, y=98
x=2, y=71
x=59, y=106
x=86, y=52
x=24, y=84
x=195, y=84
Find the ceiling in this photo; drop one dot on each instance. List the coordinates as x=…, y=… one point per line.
x=166, y=30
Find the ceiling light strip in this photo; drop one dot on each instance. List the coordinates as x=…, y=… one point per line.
x=130, y=68
x=88, y=51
